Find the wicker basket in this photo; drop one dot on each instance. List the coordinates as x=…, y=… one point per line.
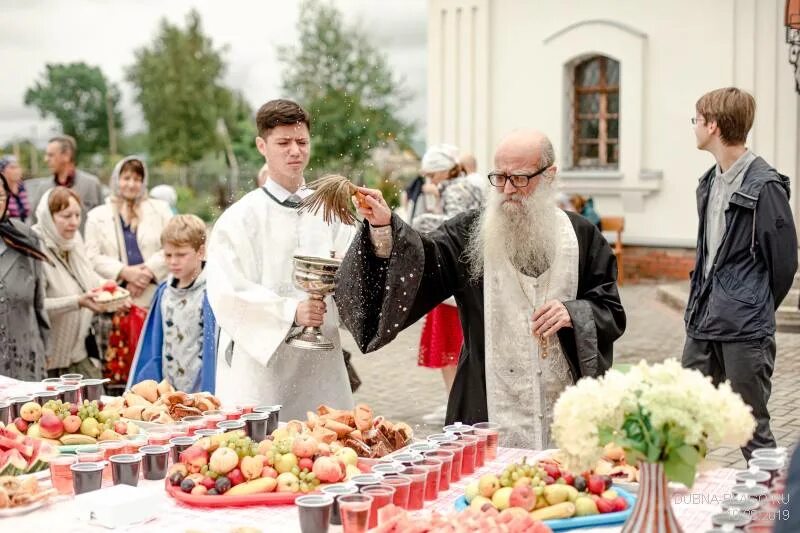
x=118, y=299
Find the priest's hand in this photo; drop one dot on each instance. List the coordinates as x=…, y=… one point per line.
x=310, y=313
x=373, y=207
x=549, y=318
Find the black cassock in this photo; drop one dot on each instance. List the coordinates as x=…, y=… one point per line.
x=377, y=298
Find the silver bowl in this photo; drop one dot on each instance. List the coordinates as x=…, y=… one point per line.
x=315, y=276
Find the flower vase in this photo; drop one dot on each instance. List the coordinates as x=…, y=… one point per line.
x=652, y=512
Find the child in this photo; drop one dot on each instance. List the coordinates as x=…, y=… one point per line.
x=179, y=339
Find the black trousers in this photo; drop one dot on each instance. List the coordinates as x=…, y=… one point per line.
x=748, y=365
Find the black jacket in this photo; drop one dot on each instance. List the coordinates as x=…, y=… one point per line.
x=755, y=264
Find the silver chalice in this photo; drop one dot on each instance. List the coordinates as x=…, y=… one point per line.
x=314, y=275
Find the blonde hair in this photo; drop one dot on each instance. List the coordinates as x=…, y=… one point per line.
x=184, y=230
x=732, y=109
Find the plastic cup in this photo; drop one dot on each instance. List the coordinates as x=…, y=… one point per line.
x=751, y=490
x=178, y=429
x=16, y=404
x=232, y=413
x=771, y=466
x=402, y=487
x=446, y=457
x=205, y=432
x=769, y=453
x=416, y=492
x=69, y=394
x=459, y=429
x=5, y=412
x=92, y=389
x=158, y=436
x=87, y=477
x=125, y=469
x=274, y=415
x=45, y=396
x=742, y=505
x=365, y=480
x=179, y=444
x=154, y=461
x=442, y=437
x=470, y=453
x=133, y=445
x=247, y=406
x=434, y=468
x=388, y=469
x=110, y=448
x=230, y=425
x=213, y=417
x=193, y=423
x=754, y=476
x=354, y=510
x=730, y=520
x=90, y=454
x=422, y=447
x=60, y=473
x=457, y=449
x=407, y=459
x=70, y=379
x=314, y=511
x=492, y=432
x=334, y=491
x=50, y=384
x=480, y=450
x=381, y=496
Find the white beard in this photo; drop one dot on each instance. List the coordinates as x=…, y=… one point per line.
x=523, y=232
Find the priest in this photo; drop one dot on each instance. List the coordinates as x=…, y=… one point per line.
x=536, y=289
x=250, y=281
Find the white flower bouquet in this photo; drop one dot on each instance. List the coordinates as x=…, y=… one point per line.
x=659, y=413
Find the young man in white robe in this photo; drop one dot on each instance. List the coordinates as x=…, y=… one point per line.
x=250, y=281
x=536, y=290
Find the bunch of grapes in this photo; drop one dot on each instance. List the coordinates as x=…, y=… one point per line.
x=243, y=446
x=282, y=446
x=89, y=410
x=308, y=480
x=514, y=472
x=60, y=408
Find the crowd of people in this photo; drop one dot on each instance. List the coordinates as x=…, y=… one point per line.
x=516, y=284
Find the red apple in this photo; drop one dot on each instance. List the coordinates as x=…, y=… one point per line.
x=236, y=476
x=327, y=470
x=73, y=409
x=109, y=286
x=121, y=427
x=194, y=456
x=522, y=496
x=268, y=471
x=568, y=478
x=304, y=446
x=208, y=483
x=21, y=424
x=306, y=463
x=595, y=485
x=620, y=503
x=605, y=506
x=51, y=427
x=72, y=423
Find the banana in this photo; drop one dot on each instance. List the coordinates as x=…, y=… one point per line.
x=72, y=439
x=262, y=484
x=559, y=510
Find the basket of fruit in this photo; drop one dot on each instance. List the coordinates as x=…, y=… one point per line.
x=230, y=469
x=547, y=493
x=110, y=295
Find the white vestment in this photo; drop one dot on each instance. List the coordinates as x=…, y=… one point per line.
x=521, y=385
x=252, y=294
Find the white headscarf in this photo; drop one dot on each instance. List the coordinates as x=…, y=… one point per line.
x=45, y=227
x=115, y=177
x=439, y=157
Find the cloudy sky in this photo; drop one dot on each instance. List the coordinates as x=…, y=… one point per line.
x=106, y=33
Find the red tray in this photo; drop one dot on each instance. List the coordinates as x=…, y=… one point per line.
x=245, y=500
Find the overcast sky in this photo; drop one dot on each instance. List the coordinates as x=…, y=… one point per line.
x=106, y=33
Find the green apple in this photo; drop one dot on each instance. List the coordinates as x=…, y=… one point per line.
x=487, y=485
x=288, y=482
x=286, y=462
x=348, y=456
x=502, y=498
x=471, y=491
x=585, y=506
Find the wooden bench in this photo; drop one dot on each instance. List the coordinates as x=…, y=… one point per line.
x=617, y=225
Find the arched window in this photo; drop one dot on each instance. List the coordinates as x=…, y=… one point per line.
x=595, y=123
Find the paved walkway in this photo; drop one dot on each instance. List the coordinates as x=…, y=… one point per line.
x=398, y=389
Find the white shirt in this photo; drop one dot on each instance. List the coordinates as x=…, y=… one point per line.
x=281, y=194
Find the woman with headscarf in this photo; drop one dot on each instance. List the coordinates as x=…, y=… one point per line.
x=19, y=206
x=24, y=328
x=69, y=277
x=123, y=243
x=447, y=193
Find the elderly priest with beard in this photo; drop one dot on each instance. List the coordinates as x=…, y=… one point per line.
x=536, y=289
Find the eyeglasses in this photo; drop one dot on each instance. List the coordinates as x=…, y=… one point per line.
x=695, y=120
x=517, y=179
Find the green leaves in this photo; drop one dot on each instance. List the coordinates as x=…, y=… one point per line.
x=681, y=465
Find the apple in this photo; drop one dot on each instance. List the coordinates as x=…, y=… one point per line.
x=33, y=431
x=304, y=446
x=480, y=503
x=488, y=485
x=288, y=482
x=31, y=412
x=72, y=423
x=585, y=506
x=73, y=409
x=109, y=286
x=595, y=485
x=620, y=503
x=268, y=471
x=22, y=424
x=522, y=497
x=327, y=470
x=323, y=449
x=348, y=456
x=286, y=462
x=471, y=491
x=501, y=498
x=121, y=427
x=609, y=494
x=51, y=427
x=604, y=505
x=306, y=463
x=236, y=476
x=194, y=456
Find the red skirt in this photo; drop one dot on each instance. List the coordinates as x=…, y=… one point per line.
x=441, y=339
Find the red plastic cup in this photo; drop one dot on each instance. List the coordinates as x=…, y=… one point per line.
x=492, y=432
x=213, y=417
x=247, y=406
x=179, y=429
x=232, y=413
x=132, y=445
x=457, y=448
x=60, y=473
x=402, y=486
x=434, y=468
x=109, y=448
x=416, y=492
x=193, y=423
x=381, y=496
x=446, y=457
x=470, y=452
x=355, y=510
x=90, y=455
x=159, y=436
x=480, y=453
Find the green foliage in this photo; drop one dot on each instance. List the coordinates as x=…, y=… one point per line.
x=75, y=95
x=178, y=81
x=339, y=76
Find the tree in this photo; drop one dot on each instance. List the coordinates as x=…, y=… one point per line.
x=339, y=76
x=79, y=97
x=178, y=83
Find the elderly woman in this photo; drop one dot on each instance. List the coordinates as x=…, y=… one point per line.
x=23, y=323
x=18, y=205
x=69, y=277
x=123, y=236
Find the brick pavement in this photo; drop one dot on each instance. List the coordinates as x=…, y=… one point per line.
x=397, y=388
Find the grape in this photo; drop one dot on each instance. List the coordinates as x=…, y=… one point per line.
x=295, y=470
x=311, y=476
